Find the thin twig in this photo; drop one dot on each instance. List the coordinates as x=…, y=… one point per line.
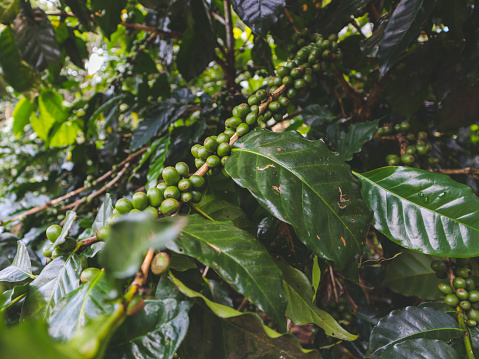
x=458, y=171
x=242, y=305
x=357, y=27
x=355, y=96
x=288, y=15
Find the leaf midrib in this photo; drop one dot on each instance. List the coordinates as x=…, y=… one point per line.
x=304, y=182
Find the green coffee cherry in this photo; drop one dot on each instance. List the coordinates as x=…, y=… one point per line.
x=123, y=206
x=53, y=232
x=262, y=94
x=405, y=126
x=56, y=253
x=224, y=159
x=115, y=211
x=473, y=314
x=186, y=197
x=422, y=136
x=288, y=81
x=283, y=101
x=451, y=300
x=47, y=250
x=211, y=144
x=196, y=196
x=410, y=150
x=113, y=218
x=151, y=211
x=224, y=138
x=229, y=131
x=300, y=84
x=135, y=211
x=274, y=106
x=292, y=93
x=446, y=288
x=172, y=192
x=438, y=266
x=233, y=122
x=474, y=296
x=463, y=272
x=253, y=100
x=139, y=201
x=213, y=161
x=154, y=196
x=199, y=162
x=224, y=149
x=465, y=304
x=282, y=71
x=197, y=181
x=185, y=185
x=459, y=283
x=169, y=206
x=242, y=129
x=160, y=263
x=421, y=150
x=462, y=294
x=171, y=175
x=251, y=119
x=267, y=115
x=407, y=159
x=471, y=323
x=102, y=233
x=393, y=160
x=182, y=169
x=194, y=150
x=89, y=273
x=242, y=110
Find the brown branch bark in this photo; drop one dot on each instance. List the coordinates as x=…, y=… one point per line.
x=290, y=19
x=458, y=171
x=152, y=29
x=230, y=72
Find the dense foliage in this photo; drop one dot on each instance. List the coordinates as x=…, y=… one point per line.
x=239, y=179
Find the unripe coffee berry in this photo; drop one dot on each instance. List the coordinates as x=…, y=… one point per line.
x=183, y=169
x=465, y=304
x=139, y=201
x=169, y=206
x=53, y=232
x=151, y=211
x=462, y=294
x=186, y=197
x=474, y=296
x=459, y=283
x=211, y=144
x=438, y=266
x=463, y=272
x=242, y=129
x=197, y=181
x=224, y=138
x=172, y=192
x=160, y=263
x=154, y=196
x=102, y=233
x=89, y=273
x=445, y=288
x=451, y=300
x=47, y=250
x=185, y=185
x=171, y=175
x=213, y=161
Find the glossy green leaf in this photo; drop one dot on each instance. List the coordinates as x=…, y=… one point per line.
x=104, y=212
x=21, y=267
x=411, y=323
x=16, y=72
x=157, y=330
x=239, y=259
x=51, y=110
x=36, y=39
x=404, y=25
x=304, y=184
x=81, y=11
x=67, y=224
x=220, y=210
x=423, y=211
x=332, y=18
x=316, y=277
x=65, y=134
x=259, y=15
x=301, y=309
x=110, y=14
x=12, y=296
x=56, y=280
x=245, y=333
x=8, y=11
x=130, y=238
x=21, y=115
x=353, y=141
x=77, y=308
x=30, y=340
x=157, y=162
x=410, y=274
x=420, y=349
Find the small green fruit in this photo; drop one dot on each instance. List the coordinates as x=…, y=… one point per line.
x=224, y=138
x=242, y=129
x=438, y=266
x=102, y=233
x=171, y=175
x=185, y=185
x=47, y=250
x=151, y=211
x=139, y=201
x=89, y=273
x=446, y=288
x=186, y=197
x=172, y=192
x=213, y=161
x=211, y=144
x=197, y=181
x=465, y=304
x=162, y=186
x=53, y=232
x=474, y=296
x=182, y=169
x=123, y=206
x=169, y=206
x=154, y=196
x=451, y=300
x=462, y=294
x=473, y=314
x=196, y=196
x=459, y=283
x=160, y=263
x=407, y=159
x=463, y=272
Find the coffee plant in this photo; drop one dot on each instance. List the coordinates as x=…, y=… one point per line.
x=239, y=179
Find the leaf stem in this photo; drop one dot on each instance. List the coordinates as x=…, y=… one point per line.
x=467, y=337
x=197, y=209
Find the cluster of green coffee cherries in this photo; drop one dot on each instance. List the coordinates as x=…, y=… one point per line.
x=50, y=250
x=462, y=293
x=416, y=152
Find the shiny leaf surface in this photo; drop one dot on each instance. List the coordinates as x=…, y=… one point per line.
x=410, y=274
x=358, y=134
x=103, y=213
x=411, y=323
x=56, y=280
x=304, y=184
x=239, y=259
x=21, y=267
x=76, y=309
x=423, y=211
x=259, y=15
x=420, y=349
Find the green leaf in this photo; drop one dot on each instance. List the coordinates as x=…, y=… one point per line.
x=239, y=259
x=157, y=330
x=65, y=134
x=358, y=134
x=261, y=54
x=50, y=107
x=404, y=25
x=103, y=213
x=157, y=162
x=259, y=15
x=410, y=274
x=424, y=211
x=79, y=307
x=21, y=267
x=335, y=16
x=17, y=72
x=304, y=184
x=31, y=340
x=8, y=11
x=36, y=39
x=67, y=224
x=245, y=333
x=198, y=43
x=56, y=280
x=131, y=237
x=81, y=12
x=301, y=309
x=12, y=296
x=420, y=349
x=110, y=11
x=144, y=64
x=412, y=323
x=21, y=115
x=316, y=277
x=220, y=210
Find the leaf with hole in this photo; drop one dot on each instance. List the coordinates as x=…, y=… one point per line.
x=303, y=183
x=424, y=211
